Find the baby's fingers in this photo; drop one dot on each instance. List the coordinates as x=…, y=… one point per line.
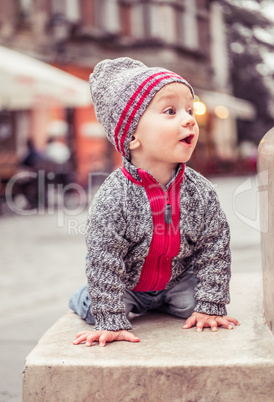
x=226, y=322
x=79, y=339
x=233, y=320
x=222, y=321
x=82, y=333
x=87, y=336
x=213, y=323
x=201, y=324
x=122, y=335
x=106, y=337
x=190, y=322
x=128, y=336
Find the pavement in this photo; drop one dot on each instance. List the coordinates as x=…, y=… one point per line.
x=42, y=263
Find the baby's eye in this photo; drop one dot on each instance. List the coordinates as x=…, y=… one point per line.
x=170, y=111
x=191, y=112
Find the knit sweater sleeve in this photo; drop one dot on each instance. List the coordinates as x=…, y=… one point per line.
x=213, y=258
x=107, y=248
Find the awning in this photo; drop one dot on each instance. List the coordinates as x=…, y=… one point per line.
x=25, y=80
x=239, y=108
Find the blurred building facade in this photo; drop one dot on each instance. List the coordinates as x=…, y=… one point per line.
x=186, y=36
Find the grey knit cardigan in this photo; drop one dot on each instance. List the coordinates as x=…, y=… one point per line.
x=118, y=236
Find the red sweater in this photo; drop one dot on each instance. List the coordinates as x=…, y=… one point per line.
x=165, y=244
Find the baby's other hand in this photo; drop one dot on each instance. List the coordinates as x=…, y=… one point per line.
x=209, y=321
x=104, y=336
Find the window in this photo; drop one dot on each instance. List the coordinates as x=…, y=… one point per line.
x=163, y=22
x=100, y=16
x=150, y=20
x=137, y=21
x=25, y=9
x=190, y=25
x=125, y=19
x=173, y=22
x=69, y=9
x=65, y=14
x=109, y=12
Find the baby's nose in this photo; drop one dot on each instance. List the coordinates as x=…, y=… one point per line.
x=188, y=120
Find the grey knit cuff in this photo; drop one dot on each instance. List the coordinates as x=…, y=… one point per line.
x=111, y=322
x=210, y=308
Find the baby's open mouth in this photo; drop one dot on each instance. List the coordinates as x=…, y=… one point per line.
x=188, y=139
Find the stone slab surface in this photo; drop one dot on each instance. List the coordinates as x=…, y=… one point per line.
x=169, y=364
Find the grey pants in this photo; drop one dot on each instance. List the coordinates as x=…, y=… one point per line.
x=178, y=301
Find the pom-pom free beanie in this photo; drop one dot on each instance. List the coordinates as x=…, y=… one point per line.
x=121, y=90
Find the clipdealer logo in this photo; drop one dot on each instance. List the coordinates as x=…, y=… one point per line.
x=63, y=200
x=52, y=199
x=256, y=186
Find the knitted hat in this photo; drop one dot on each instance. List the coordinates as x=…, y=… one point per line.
x=121, y=90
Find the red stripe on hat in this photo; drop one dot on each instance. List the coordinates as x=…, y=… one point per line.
x=128, y=105
x=139, y=103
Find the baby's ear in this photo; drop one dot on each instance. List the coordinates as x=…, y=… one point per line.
x=134, y=143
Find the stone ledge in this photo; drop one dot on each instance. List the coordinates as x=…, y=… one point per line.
x=266, y=196
x=169, y=364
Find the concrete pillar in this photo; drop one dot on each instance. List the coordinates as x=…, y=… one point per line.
x=266, y=186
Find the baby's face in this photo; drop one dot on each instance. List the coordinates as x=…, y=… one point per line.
x=168, y=131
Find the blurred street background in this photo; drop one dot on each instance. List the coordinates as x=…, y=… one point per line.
x=54, y=153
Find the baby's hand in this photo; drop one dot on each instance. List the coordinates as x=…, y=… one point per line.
x=104, y=336
x=213, y=321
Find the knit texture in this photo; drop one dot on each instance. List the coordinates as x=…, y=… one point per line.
x=121, y=90
x=119, y=233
